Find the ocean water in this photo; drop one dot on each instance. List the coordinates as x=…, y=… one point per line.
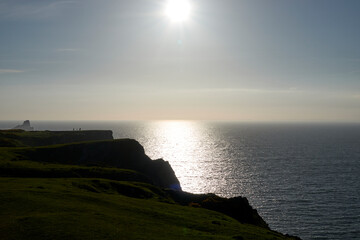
x=304, y=179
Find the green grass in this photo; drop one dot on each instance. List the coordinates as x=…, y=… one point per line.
x=20, y=138
x=49, y=170
x=33, y=208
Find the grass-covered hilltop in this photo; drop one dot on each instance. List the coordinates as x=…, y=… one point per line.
x=86, y=185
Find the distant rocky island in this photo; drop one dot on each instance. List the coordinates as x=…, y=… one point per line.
x=25, y=126
x=91, y=172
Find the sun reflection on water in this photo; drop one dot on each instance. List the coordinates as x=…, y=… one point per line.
x=193, y=153
x=178, y=142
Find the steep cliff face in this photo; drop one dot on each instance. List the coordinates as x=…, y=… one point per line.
x=122, y=153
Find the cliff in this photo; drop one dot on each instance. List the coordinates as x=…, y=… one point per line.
x=122, y=153
x=118, y=167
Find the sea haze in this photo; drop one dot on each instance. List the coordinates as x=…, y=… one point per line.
x=304, y=179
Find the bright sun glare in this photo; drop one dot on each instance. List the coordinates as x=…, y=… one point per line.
x=178, y=10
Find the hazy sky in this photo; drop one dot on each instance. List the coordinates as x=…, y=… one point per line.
x=248, y=60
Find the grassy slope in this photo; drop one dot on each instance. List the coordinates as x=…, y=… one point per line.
x=49, y=170
x=32, y=208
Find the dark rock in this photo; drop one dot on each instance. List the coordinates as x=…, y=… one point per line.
x=238, y=238
x=293, y=237
x=237, y=208
x=25, y=126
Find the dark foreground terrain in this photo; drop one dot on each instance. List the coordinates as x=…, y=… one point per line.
x=58, y=185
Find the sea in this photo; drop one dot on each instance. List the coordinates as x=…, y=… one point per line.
x=303, y=178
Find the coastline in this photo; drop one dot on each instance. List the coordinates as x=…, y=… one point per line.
x=101, y=154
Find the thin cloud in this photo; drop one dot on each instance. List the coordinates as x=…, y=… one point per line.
x=10, y=71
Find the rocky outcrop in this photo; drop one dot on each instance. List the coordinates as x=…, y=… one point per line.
x=237, y=207
x=25, y=126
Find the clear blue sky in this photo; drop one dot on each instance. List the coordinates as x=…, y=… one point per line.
x=241, y=60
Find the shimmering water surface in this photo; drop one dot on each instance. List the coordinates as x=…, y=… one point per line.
x=304, y=179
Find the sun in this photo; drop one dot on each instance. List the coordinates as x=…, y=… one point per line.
x=178, y=10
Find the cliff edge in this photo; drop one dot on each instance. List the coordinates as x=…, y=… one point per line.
x=22, y=138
